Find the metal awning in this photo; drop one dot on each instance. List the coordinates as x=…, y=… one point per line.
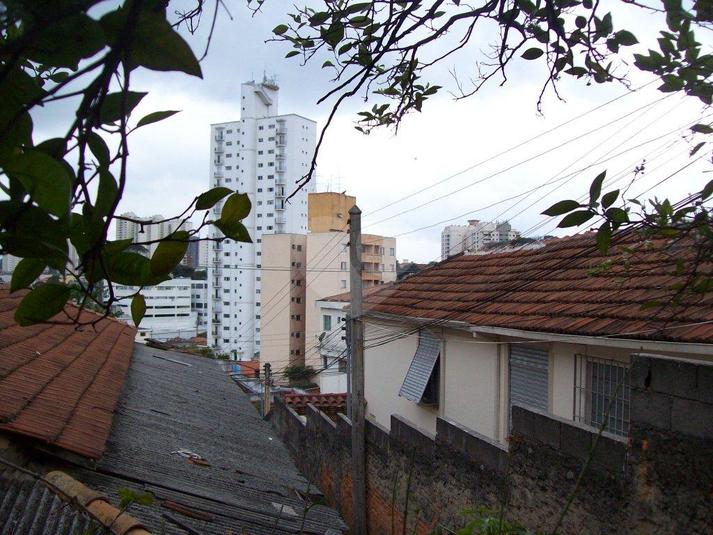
x=421, y=367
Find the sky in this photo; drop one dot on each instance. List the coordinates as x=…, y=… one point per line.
x=447, y=149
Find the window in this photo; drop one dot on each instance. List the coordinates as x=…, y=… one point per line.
x=392, y=251
x=343, y=266
x=343, y=284
x=299, y=247
x=326, y=322
x=602, y=388
x=421, y=384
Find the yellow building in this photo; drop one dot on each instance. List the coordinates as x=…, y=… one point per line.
x=327, y=212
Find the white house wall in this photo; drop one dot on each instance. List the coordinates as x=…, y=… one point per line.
x=385, y=367
x=471, y=383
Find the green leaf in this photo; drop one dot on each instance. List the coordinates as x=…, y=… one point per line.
x=702, y=128
x=106, y=193
x=111, y=109
x=131, y=269
x=45, y=179
x=561, y=207
x=234, y=230
x=26, y=272
x=576, y=218
x=138, y=308
x=327, y=64
x=157, y=46
x=280, y=29
x=66, y=41
x=707, y=191
x=334, y=34
x=292, y=53
x=595, y=190
x=604, y=235
x=532, y=53
x=208, y=199
x=236, y=207
x=625, y=38
x=169, y=253
x=617, y=215
x=42, y=303
x=99, y=148
x=155, y=117
x=318, y=18
x=610, y=198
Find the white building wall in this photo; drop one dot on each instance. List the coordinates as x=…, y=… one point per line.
x=263, y=155
x=168, y=309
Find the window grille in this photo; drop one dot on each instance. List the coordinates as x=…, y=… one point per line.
x=602, y=385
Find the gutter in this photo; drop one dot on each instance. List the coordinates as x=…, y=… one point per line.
x=540, y=336
x=606, y=341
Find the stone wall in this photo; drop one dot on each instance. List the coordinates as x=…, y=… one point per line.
x=660, y=481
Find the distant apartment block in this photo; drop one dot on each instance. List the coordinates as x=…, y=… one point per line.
x=474, y=236
x=300, y=270
x=263, y=154
x=147, y=229
x=168, y=309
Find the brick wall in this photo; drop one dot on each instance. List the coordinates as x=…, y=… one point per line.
x=660, y=481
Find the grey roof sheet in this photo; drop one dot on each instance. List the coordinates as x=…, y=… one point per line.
x=167, y=406
x=29, y=507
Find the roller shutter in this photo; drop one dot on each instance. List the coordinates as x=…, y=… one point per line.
x=529, y=376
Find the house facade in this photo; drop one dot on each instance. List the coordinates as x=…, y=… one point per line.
x=537, y=326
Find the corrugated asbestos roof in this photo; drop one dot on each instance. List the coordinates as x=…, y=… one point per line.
x=565, y=286
x=29, y=507
x=175, y=405
x=58, y=383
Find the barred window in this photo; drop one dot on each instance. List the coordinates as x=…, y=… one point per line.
x=602, y=387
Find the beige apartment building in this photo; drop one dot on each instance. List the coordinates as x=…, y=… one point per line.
x=298, y=270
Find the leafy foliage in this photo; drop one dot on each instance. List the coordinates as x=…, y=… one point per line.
x=61, y=194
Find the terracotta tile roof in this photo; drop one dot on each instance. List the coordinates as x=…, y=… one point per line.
x=321, y=401
x=345, y=297
x=60, y=384
x=561, y=286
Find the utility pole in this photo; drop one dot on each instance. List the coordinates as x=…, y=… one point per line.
x=266, y=399
x=358, y=526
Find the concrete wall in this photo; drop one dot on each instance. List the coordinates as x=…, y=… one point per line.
x=659, y=481
x=328, y=211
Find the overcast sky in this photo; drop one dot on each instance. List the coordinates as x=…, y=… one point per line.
x=170, y=161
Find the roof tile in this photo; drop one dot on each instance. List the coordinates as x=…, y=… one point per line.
x=61, y=383
x=562, y=285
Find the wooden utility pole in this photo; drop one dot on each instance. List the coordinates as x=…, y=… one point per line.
x=266, y=398
x=358, y=526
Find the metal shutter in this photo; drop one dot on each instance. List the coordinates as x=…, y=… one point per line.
x=421, y=367
x=529, y=376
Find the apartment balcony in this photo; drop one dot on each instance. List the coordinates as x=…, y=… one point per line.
x=279, y=155
x=217, y=307
x=219, y=137
x=370, y=258
x=280, y=220
x=216, y=320
x=217, y=283
x=281, y=138
x=217, y=161
x=218, y=149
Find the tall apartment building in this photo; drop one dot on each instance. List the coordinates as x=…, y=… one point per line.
x=474, y=236
x=263, y=154
x=299, y=270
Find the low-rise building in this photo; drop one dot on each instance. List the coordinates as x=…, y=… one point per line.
x=169, y=311
x=552, y=326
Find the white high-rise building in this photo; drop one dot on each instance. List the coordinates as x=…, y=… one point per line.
x=263, y=154
x=475, y=236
